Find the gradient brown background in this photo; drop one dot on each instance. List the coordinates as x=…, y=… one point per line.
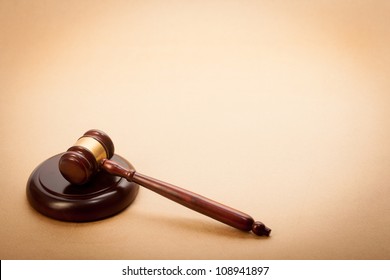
x=279, y=109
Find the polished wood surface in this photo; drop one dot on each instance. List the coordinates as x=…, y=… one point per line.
x=102, y=197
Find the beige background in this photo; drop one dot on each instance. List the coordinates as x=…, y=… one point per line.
x=279, y=109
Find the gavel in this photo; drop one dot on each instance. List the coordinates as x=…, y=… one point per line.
x=91, y=154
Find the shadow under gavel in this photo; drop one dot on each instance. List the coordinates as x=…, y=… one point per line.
x=92, y=153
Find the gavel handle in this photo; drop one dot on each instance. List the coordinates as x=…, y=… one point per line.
x=196, y=202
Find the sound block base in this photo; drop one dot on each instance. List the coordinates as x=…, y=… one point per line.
x=104, y=196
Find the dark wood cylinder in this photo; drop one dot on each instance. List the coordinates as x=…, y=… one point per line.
x=196, y=202
x=81, y=161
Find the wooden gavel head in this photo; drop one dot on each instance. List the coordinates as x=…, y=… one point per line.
x=81, y=161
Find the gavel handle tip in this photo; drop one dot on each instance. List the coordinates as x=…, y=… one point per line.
x=260, y=229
